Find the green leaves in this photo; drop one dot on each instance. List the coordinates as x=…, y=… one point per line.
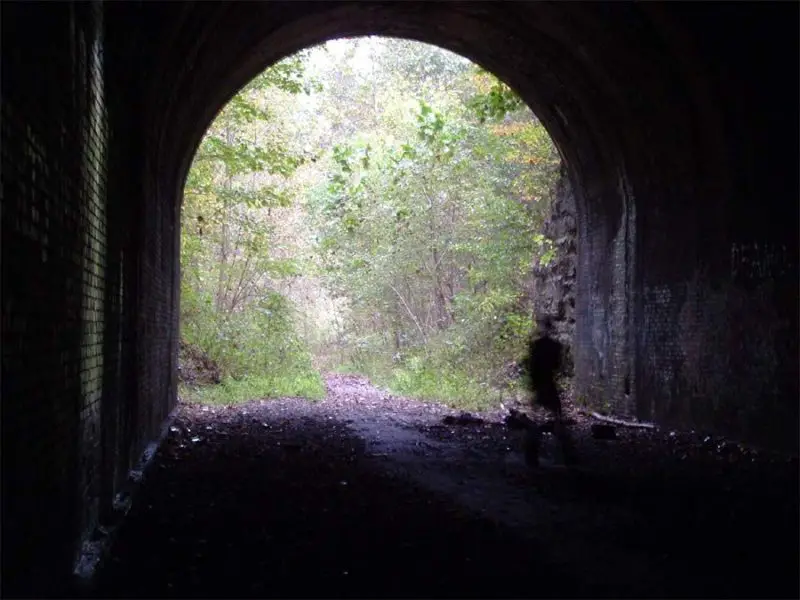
x=240, y=174
x=496, y=102
x=432, y=239
x=415, y=185
x=287, y=75
x=429, y=123
x=241, y=157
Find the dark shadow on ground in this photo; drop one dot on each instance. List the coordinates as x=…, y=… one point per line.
x=259, y=508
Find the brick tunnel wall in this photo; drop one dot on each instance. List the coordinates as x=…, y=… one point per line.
x=715, y=311
x=687, y=287
x=83, y=391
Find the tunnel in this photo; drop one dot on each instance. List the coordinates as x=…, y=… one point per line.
x=677, y=123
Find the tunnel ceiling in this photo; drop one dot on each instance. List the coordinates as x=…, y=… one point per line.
x=592, y=73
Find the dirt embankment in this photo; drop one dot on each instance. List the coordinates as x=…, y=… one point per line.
x=195, y=367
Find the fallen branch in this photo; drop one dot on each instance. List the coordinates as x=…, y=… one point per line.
x=600, y=417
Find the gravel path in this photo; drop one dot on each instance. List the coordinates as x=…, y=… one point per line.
x=369, y=494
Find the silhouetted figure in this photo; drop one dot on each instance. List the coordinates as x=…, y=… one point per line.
x=543, y=363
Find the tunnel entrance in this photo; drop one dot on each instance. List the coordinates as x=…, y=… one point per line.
x=602, y=305
x=680, y=143
x=376, y=205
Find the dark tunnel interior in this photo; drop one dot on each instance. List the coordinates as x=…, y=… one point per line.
x=678, y=126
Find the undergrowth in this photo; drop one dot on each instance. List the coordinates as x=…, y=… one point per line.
x=233, y=357
x=451, y=386
x=307, y=385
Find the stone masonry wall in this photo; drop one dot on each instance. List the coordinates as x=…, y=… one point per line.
x=601, y=343
x=597, y=363
x=554, y=285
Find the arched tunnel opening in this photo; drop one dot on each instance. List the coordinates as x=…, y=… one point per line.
x=376, y=206
x=681, y=147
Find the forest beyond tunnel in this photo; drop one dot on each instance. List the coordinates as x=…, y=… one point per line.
x=379, y=206
x=680, y=140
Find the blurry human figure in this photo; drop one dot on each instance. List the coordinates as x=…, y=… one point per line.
x=543, y=363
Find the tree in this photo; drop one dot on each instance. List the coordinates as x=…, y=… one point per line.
x=399, y=204
x=428, y=224
x=240, y=174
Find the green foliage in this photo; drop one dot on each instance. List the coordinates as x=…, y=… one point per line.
x=496, y=102
x=430, y=231
x=308, y=385
x=433, y=253
x=456, y=388
x=408, y=191
x=229, y=308
x=258, y=338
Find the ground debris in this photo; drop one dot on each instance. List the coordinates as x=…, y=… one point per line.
x=519, y=421
x=348, y=488
x=464, y=418
x=603, y=432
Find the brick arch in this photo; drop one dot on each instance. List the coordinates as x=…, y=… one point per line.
x=572, y=65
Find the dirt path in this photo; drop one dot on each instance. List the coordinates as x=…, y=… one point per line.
x=369, y=494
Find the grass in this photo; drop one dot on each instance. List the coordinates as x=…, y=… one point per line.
x=307, y=385
x=446, y=385
x=452, y=387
